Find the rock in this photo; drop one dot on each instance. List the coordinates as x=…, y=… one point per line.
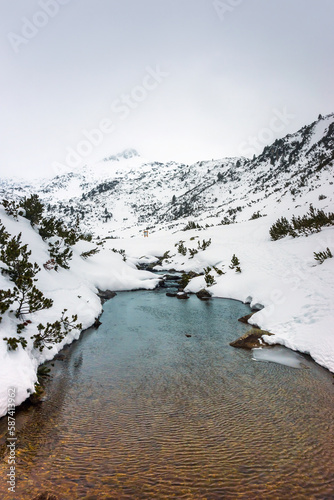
x=97, y=323
x=182, y=295
x=172, y=277
x=257, y=307
x=245, y=319
x=170, y=294
x=188, y=335
x=106, y=295
x=251, y=339
x=203, y=294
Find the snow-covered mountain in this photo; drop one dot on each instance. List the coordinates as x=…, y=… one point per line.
x=126, y=194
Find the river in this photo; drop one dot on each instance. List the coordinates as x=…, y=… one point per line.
x=155, y=404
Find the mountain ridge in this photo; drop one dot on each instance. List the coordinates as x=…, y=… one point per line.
x=123, y=192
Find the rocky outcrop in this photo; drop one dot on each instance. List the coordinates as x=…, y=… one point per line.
x=106, y=295
x=251, y=339
x=244, y=319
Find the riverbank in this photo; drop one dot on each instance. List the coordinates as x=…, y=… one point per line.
x=295, y=291
x=74, y=289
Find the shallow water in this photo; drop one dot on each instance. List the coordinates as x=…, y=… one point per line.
x=138, y=410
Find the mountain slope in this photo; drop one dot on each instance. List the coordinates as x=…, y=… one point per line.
x=125, y=194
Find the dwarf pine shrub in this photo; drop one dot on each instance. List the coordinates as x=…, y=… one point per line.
x=304, y=225
x=220, y=272
x=181, y=248
x=16, y=265
x=89, y=253
x=54, y=333
x=24, y=297
x=191, y=225
x=192, y=252
x=209, y=279
x=280, y=228
x=11, y=208
x=322, y=256
x=33, y=208
x=235, y=264
x=204, y=245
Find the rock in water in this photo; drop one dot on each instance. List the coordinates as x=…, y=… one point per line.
x=97, y=323
x=244, y=319
x=251, y=339
x=203, y=294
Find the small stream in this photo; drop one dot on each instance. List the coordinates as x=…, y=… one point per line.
x=155, y=404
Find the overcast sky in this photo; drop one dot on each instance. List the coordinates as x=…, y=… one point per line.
x=175, y=79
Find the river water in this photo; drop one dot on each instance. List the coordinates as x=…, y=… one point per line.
x=155, y=404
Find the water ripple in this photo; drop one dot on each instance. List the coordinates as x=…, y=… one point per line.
x=151, y=414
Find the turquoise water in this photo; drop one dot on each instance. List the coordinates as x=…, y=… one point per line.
x=156, y=404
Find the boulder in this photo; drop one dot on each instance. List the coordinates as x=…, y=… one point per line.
x=172, y=277
x=251, y=339
x=97, y=323
x=203, y=294
x=182, y=295
x=171, y=294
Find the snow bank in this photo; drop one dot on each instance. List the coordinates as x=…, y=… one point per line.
x=74, y=289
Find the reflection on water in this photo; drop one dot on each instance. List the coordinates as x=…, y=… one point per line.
x=139, y=410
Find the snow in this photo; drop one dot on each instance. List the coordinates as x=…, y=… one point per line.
x=320, y=130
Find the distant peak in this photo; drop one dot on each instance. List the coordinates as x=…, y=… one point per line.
x=126, y=154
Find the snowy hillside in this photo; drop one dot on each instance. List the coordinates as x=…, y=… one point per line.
x=126, y=194
x=74, y=289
